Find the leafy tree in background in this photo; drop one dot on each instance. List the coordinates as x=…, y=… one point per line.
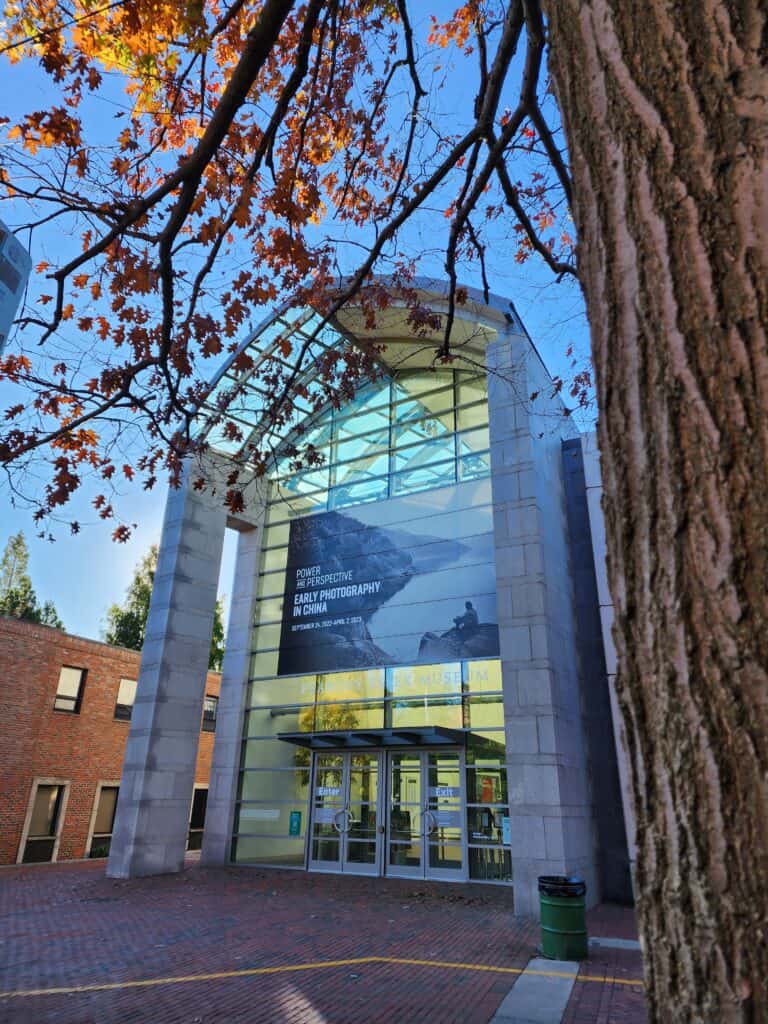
x=272, y=148
x=17, y=596
x=127, y=622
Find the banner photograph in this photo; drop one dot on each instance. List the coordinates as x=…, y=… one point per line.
x=399, y=582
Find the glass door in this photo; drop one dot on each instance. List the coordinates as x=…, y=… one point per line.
x=426, y=834
x=344, y=836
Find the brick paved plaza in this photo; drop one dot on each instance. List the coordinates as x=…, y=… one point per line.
x=278, y=945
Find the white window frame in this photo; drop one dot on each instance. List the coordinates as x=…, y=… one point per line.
x=36, y=783
x=101, y=784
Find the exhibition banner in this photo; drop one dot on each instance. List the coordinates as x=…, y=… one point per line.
x=405, y=581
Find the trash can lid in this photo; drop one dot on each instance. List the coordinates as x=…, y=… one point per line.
x=562, y=885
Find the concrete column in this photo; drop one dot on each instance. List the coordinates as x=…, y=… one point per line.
x=594, y=485
x=150, y=830
x=222, y=790
x=550, y=815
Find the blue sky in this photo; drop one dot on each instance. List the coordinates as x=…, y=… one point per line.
x=84, y=574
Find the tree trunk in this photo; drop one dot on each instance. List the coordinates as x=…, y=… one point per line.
x=665, y=108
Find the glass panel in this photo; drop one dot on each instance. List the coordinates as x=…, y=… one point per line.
x=291, y=786
x=263, y=850
x=105, y=813
x=486, y=747
x=362, y=685
x=69, y=682
x=421, y=479
x=474, y=441
x=267, y=753
x=420, y=679
x=361, y=852
x=473, y=467
x=358, y=494
x=277, y=534
x=487, y=785
x=126, y=693
x=38, y=851
x=444, y=780
x=45, y=811
x=268, y=637
x=429, y=711
x=446, y=855
x=483, y=676
x=405, y=822
x=343, y=717
x=271, y=584
x=263, y=664
x=286, y=718
x=405, y=854
x=422, y=455
x=472, y=416
x=351, y=447
x=363, y=785
x=271, y=819
x=268, y=609
x=486, y=824
x=288, y=691
x=485, y=712
x=362, y=823
x=490, y=865
x=274, y=559
x=327, y=848
x=421, y=382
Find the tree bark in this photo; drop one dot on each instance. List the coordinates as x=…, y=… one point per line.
x=665, y=108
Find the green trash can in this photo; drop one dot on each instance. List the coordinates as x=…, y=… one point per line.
x=563, y=917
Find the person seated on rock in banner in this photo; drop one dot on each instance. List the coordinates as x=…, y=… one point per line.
x=467, y=623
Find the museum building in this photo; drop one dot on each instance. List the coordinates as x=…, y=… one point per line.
x=415, y=680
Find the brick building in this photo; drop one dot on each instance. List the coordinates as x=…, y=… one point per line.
x=65, y=711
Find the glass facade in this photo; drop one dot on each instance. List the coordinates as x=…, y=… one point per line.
x=397, y=436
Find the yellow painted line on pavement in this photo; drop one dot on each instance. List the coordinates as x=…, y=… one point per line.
x=248, y=972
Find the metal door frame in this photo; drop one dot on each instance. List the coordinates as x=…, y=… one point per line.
x=425, y=871
x=341, y=825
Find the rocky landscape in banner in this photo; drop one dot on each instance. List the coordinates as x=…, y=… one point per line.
x=360, y=594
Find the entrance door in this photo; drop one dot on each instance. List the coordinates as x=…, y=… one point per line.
x=345, y=813
x=426, y=833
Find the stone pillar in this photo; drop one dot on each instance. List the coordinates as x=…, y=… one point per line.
x=550, y=815
x=222, y=789
x=594, y=485
x=150, y=830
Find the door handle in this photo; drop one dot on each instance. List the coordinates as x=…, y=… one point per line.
x=336, y=825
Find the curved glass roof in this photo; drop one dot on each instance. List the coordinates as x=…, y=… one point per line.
x=294, y=354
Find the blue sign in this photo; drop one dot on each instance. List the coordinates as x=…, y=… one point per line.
x=294, y=828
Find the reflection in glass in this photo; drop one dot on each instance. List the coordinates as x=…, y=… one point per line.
x=361, y=853
x=402, y=855
x=485, y=712
x=434, y=711
x=361, y=685
x=271, y=785
x=420, y=679
x=485, y=824
x=487, y=785
x=490, y=864
x=446, y=855
x=483, y=676
x=344, y=717
x=264, y=850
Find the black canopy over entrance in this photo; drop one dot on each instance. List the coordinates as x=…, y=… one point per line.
x=423, y=736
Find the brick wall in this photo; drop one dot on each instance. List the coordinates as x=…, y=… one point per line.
x=36, y=741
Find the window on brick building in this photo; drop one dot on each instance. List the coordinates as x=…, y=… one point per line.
x=126, y=694
x=43, y=824
x=104, y=822
x=210, y=708
x=197, y=817
x=69, y=692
